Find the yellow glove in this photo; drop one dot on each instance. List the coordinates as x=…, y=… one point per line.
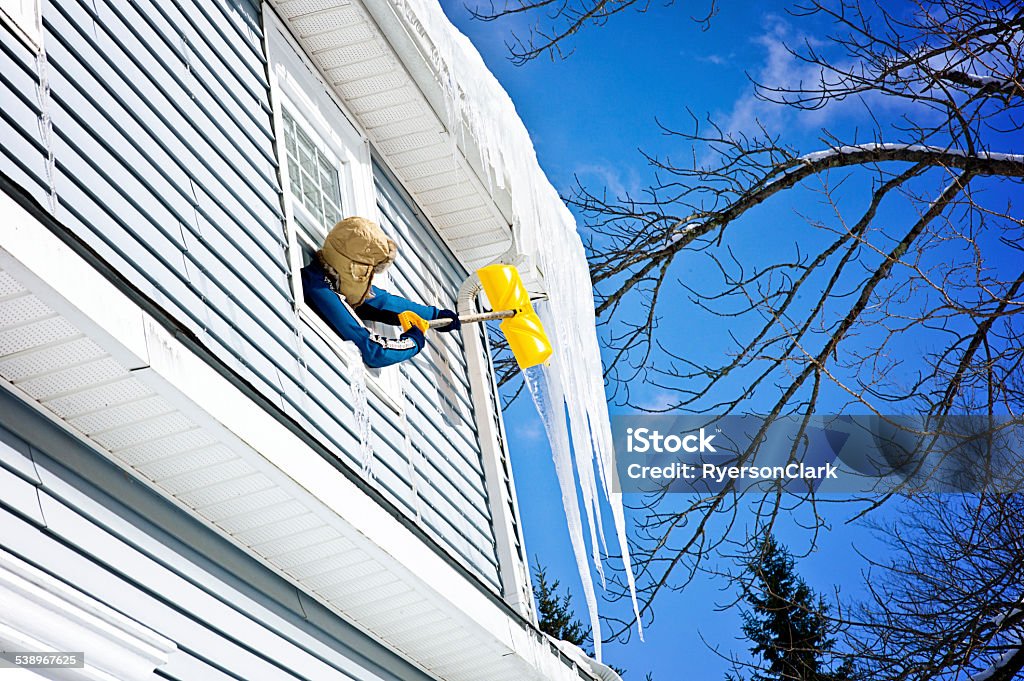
x=409, y=319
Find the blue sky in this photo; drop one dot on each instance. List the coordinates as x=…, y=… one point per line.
x=588, y=116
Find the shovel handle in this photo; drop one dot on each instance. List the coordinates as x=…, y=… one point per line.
x=474, y=318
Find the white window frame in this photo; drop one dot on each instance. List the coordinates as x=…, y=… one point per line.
x=24, y=18
x=327, y=150
x=294, y=85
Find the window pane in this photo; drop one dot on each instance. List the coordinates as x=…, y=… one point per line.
x=331, y=216
x=313, y=178
x=309, y=199
x=293, y=176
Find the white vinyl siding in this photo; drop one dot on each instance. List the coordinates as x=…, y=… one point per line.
x=170, y=169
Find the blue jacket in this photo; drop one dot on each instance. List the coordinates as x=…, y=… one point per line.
x=376, y=350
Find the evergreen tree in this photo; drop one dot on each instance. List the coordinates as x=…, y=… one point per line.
x=787, y=623
x=555, y=615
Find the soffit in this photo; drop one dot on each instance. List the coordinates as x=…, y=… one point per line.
x=376, y=84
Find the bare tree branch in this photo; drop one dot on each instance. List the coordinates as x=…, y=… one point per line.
x=900, y=287
x=561, y=20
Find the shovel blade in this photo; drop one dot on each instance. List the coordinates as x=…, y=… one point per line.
x=504, y=287
x=525, y=333
x=527, y=340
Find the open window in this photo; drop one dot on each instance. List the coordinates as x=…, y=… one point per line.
x=327, y=176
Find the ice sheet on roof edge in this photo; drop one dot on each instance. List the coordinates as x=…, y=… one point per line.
x=545, y=231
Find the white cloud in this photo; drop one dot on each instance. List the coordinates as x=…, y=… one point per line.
x=617, y=179
x=529, y=430
x=715, y=59
x=659, y=401
x=781, y=69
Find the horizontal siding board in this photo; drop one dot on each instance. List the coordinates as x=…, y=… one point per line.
x=463, y=490
x=327, y=373
x=326, y=383
x=16, y=456
x=226, y=79
x=440, y=277
x=242, y=60
x=181, y=52
x=93, y=220
x=337, y=425
x=18, y=79
x=122, y=195
x=116, y=184
x=246, y=290
x=233, y=250
x=438, y=493
x=429, y=421
x=24, y=156
x=168, y=175
x=160, y=173
x=17, y=56
x=449, y=457
x=177, y=49
x=390, y=466
x=444, y=276
x=424, y=403
x=237, y=22
x=246, y=20
x=154, y=88
x=474, y=554
x=174, y=64
x=96, y=219
x=452, y=393
x=467, y=519
x=183, y=666
x=20, y=496
x=445, y=271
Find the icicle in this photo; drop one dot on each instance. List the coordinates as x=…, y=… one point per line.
x=412, y=452
x=548, y=398
x=584, y=455
x=479, y=109
x=46, y=126
x=361, y=407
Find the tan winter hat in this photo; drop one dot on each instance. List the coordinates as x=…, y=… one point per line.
x=357, y=248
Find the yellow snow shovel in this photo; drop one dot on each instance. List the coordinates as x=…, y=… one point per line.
x=511, y=302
